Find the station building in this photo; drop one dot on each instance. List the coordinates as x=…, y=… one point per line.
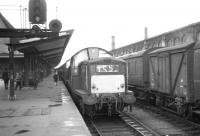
x=183, y=35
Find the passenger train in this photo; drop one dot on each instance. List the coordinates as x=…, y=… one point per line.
x=98, y=81
x=169, y=77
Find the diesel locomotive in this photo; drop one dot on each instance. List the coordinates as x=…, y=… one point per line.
x=168, y=77
x=98, y=81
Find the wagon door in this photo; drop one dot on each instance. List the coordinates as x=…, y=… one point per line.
x=179, y=74
x=197, y=73
x=131, y=71
x=163, y=73
x=153, y=74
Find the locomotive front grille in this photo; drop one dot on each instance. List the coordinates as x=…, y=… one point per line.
x=107, y=83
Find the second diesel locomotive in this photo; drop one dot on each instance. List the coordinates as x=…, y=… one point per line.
x=98, y=81
x=168, y=77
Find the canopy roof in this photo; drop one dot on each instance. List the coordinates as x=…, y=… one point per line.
x=49, y=49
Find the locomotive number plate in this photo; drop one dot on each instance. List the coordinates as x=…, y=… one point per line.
x=107, y=68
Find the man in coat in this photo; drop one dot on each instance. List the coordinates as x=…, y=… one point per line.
x=5, y=77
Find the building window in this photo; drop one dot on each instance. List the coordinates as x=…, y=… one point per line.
x=150, y=46
x=183, y=39
x=160, y=44
x=187, y=38
x=131, y=50
x=176, y=41
x=170, y=43
x=134, y=48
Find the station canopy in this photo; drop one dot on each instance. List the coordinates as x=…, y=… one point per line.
x=50, y=49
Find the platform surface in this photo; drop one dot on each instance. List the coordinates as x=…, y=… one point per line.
x=46, y=111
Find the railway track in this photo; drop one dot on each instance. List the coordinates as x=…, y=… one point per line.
x=144, y=120
x=119, y=125
x=139, y=128
x=164, y=122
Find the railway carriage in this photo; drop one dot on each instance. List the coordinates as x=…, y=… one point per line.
x=174, y=71
x=138, y=68
x=98, y=81
x=168, y=76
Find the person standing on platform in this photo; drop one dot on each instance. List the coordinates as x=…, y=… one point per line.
x=41, y=75
x=5, y=77
x=18, y=80
x=55, y=77
x=35, y=80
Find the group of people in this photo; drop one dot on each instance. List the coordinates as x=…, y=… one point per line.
x=18, y=79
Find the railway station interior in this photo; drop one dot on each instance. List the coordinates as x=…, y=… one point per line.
x=146, y=88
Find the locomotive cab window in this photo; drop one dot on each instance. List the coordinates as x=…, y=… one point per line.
x=87, y=54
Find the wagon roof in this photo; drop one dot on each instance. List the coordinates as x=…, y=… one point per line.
x=138, y=53
x=103, y=58
x=134, y=54
x=177, y=47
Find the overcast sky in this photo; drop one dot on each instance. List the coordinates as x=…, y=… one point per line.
x=95, y=21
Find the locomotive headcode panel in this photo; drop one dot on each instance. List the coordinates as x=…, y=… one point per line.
x=107, y=68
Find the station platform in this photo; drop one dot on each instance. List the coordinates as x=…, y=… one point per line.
x=46, y=111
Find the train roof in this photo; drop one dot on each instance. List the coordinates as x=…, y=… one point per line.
x=90, y=48
x=173, y=48
x=90, y=53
